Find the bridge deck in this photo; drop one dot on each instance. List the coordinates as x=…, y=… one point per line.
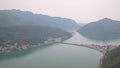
x=99, y=48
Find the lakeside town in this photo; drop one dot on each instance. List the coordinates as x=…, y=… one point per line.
x=9, y=48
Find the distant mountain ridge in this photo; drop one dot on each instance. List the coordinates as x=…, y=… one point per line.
x=18, y=17
x=105, y=28
x=21, y=30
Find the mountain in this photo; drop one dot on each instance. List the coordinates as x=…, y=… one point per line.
x=17, y=17
x=106, y=29
x=111, y=59
x=31, y=35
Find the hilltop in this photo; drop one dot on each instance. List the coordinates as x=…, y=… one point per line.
x=106, y=29
x=18, y=17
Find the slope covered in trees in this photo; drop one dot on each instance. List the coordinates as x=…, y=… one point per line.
x=111, y=59
x=29, y=34
x=104, y=29
x=17, y=17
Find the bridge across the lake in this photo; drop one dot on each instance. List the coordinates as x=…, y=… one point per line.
x=99, y=48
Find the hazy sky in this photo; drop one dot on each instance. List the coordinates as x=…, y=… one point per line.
x=82, y=11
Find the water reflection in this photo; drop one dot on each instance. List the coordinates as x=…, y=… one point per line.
x=100, y=36
x=80, y=39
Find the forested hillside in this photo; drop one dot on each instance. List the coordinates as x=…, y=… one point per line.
x=29, y=34
x=17, y=17
x=112, y=59
x=104, y=29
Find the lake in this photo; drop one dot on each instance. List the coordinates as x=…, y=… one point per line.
x=57, y=55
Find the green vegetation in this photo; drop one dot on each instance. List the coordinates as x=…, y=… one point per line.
x=20, y=30
x=104, y=29
x=17, y=17
x=111, y=59
x=29, y=34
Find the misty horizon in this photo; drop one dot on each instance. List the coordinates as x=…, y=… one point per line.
x=82, y=11
x=61, y=17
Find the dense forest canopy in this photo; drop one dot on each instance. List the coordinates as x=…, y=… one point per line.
x=104, y=29
x=112, y=59
x=29, y=34
x=17, y=17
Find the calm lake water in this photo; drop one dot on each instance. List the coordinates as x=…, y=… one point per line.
x=56, y=56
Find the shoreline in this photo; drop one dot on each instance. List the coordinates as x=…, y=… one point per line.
x=12, y=48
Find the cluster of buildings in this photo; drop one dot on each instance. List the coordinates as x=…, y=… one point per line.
x=14, y=47
x=52, y=40
x=102, y=49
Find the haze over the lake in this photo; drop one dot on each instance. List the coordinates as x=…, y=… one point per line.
x=82, y=11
